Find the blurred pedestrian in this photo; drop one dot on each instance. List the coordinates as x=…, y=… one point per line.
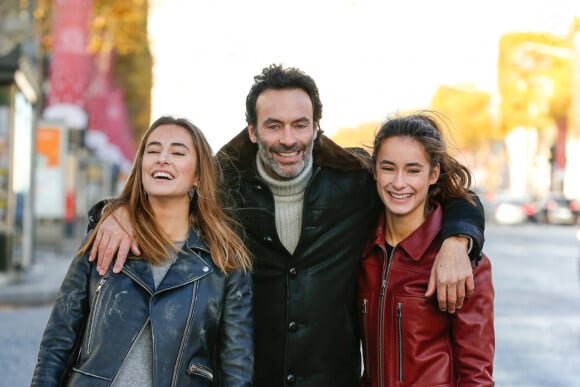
x=180, y=314
x=407, y=340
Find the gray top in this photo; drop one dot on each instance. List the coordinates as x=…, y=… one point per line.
x=137, y=367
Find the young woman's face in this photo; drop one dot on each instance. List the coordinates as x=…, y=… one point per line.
x=169, y=163
x=403, y=174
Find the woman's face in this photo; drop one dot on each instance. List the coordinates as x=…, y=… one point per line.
x=169, y=163
x=403, y=175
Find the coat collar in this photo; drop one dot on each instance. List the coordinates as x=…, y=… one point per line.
x=417, y=243
x=240, y=153
x=188, y=267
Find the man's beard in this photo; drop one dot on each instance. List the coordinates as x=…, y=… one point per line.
x=270, y=163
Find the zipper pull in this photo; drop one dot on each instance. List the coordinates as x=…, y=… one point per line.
x=364, y=306
x=383, y=286
x=100, y=285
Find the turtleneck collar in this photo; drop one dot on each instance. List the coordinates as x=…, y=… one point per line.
x=286, y=187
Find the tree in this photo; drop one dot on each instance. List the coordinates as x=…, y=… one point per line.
x=122, y=27
x=468, y=109
x=534, y=73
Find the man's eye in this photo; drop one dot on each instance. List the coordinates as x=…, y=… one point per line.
x=414, y=171
x=273, y=127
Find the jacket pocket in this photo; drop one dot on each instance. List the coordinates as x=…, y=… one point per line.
x=95, y=306
x=365, y=332
x=399, y=325
x=417, y=321
x=200, y=370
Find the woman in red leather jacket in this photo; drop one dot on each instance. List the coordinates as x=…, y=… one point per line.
x=407, y=340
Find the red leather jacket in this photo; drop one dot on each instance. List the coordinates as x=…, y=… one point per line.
x=407, y=340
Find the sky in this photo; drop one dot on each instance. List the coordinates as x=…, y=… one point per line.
x=369, y=58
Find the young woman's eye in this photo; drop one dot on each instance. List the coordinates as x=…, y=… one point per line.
x=179, y=153
x=152, y=151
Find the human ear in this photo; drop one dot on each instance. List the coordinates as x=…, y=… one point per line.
x=252, y=133
x=435, y=172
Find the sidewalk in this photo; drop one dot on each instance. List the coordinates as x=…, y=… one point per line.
x=39, y=283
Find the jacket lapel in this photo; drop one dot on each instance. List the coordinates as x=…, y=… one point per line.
x=188, y=267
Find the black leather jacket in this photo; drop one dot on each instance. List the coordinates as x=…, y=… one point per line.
x=305, y=327
x=200, y=318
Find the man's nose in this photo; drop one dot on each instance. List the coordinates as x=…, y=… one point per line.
x=287, y=136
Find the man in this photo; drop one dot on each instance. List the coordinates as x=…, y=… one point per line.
x=307, y=206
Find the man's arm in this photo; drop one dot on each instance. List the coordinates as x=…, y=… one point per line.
x=114, y=235
x=451, y=275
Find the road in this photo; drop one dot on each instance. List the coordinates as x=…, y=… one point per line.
x=537, y=311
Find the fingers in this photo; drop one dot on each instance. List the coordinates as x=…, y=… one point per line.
x=135, y=249
x=122, y=252
x=445, y=298
x=106, y=251
x=431, y=286
x=460, y=288
x=469, y=286
x=95, y=247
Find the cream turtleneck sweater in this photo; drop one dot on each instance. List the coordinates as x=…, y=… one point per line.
x=288, y=200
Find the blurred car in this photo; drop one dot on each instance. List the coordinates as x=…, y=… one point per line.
x=558, y=209
x=513, y=210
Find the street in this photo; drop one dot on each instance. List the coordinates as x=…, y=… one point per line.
x=537, y=311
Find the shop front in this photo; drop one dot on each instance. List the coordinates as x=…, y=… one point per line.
x=18, y=96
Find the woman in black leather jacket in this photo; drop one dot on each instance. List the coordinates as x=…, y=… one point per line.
x=179, y=314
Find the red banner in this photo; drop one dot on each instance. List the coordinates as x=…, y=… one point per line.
x=70, y=65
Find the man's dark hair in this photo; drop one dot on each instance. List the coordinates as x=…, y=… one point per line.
x=279, y=78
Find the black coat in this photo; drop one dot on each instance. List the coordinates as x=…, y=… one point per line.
x=200, y=319
x=305, y=328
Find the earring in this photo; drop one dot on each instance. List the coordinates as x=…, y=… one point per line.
x=191, y=193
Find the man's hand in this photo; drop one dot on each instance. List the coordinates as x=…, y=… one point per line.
x=451, y=275
x=114, y=235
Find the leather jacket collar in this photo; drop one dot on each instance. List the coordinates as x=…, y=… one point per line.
x=187, y=268
x=417, y=243
x=241, y=152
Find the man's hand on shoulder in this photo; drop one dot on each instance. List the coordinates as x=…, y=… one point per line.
x=452, y=274
x=114, y=235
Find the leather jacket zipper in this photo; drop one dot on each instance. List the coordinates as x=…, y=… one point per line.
x=400, y=339
x=365, y=332
x=94, y=311
x=386, y=268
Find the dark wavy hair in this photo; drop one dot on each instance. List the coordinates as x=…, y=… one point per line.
x=278, y=77
x=425, y=127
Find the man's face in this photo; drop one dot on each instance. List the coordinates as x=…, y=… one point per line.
x=284, y=131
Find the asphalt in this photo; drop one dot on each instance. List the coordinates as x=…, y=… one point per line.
x=37, y=284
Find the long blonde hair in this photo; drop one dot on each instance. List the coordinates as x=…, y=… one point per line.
x=216, y=225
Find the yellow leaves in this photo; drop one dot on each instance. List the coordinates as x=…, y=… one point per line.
x=534, y=74
x=468, y=110
x=360, y=136
x=118, y=25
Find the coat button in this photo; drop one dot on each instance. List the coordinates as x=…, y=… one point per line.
x=268, y=239
x=291, y=379
x=292, y=326
x=292, y=272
